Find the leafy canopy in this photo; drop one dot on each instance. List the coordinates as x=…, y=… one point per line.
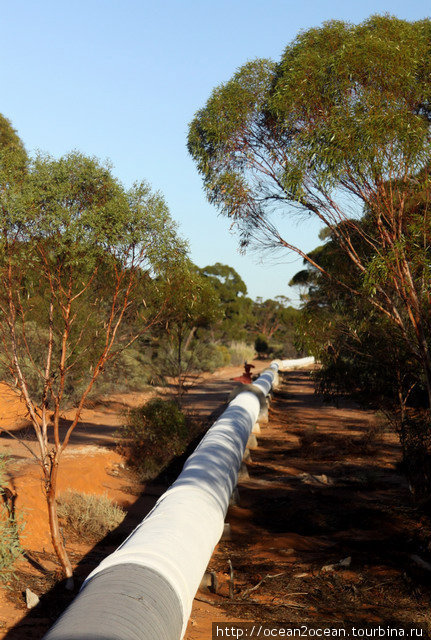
x=345, y=109
x=78, y=260
x=235, y=306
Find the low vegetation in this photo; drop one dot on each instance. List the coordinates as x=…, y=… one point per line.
x=240, y=352
x=88, y=516
x=154, y=434
x=10, y=527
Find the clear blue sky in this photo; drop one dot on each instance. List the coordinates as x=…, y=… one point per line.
x=121, y=80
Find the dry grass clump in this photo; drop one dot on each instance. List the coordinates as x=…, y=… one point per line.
x=88, y=516
x=240, y=352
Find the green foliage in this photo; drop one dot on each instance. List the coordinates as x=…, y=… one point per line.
x=88, y=516
x=274, y=321
x=13, y=157
x=10, y=528
x=223, y=355
x=192, y=306
x=234, y=304
x=192, y=300
x=345, y=105
x=340, y=93
x=363, y=87
x=362, y=353
x=220, y=132
x=129, y=371
x=10, y=546
x=153, y=435
x=79, y=258
x=261, y=345
x=359, y=348
x=78, y=253
x=201, y=355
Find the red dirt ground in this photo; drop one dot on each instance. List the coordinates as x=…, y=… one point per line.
x=323, y=487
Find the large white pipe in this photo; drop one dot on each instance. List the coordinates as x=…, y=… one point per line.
x=291, y=365
x=145, y=589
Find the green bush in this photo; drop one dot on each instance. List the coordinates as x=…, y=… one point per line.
x=213, y=356
x=240, y=352
x=88, y=516
x=129, y=371
x=261, y=345
x=224, y=355
x=153, y=435
x=10, y=547
x=200, y=356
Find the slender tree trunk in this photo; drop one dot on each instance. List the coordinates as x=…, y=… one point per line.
x=425, y=357
x=427, y=369
x=417, y=315
x=401, y=399
x=57, y=542
x=179, y=364
x=189, y=338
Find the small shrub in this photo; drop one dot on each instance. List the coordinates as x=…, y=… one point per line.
x=240, y=352
x=224, y=355
x=153, y=435
x=10, y=528
x=88, y=516
x=129, y=371
x=261, y=345
x=284, y=350
x=200, y=356
x=213, y=356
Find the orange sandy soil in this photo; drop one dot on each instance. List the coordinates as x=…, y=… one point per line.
x=323, y=487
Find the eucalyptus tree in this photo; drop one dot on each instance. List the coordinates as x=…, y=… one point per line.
x=193, y=303
x=235, y=306
x=78, y=254
x=340, y=124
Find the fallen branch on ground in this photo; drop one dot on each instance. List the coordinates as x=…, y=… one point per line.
x=267, y=577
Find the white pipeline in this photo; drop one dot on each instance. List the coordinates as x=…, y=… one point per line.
x=291, y=365
x=145, y=589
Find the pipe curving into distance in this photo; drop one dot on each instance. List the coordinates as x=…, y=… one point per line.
x=291, y=365
x=145, y=589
